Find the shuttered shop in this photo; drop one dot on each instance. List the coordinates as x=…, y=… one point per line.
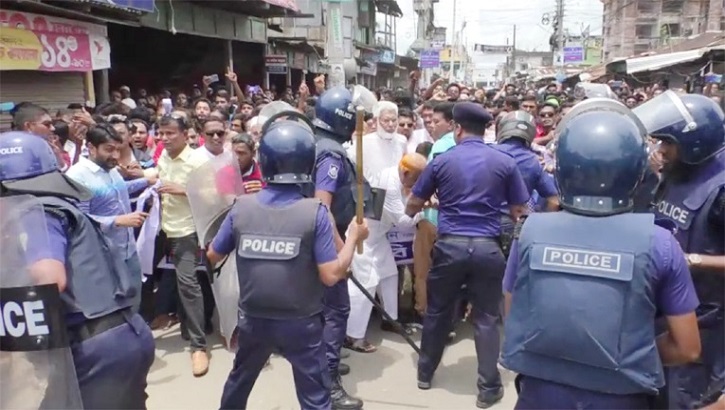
x=51, y=91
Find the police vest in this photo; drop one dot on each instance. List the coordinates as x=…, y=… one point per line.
x=278, y=276
x=98, y=280
x=583, y=304
x=685, y=206
x=344, y=199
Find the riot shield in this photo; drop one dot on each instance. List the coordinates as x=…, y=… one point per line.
x=593, y=90
x=36, y=365
x=362, y=97
x=211, y=190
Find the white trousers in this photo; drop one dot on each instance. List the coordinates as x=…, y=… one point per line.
x=361, y=307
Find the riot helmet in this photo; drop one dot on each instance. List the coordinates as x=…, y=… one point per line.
x=583, y=91
x=287, y=149
x=517, y=124
x=28, y=165
x=601, y=160
x=335, y=113
x=694, y=122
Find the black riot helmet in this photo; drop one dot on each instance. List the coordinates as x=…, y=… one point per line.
x=516, y=124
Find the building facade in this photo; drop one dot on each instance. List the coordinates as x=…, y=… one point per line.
x=632, y=27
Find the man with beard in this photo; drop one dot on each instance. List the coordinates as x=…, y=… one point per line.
x=691, y=201
x=111, y=204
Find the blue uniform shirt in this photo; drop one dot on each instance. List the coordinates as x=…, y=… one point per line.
x=329, y=174
x=472, y=180
x=532, y=172
x=279, y=196
x=57, y=240
x=674, y=290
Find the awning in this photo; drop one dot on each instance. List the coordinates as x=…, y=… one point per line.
x=658, y=61
x=297, y=43
x=389, y=7
x=258, y=8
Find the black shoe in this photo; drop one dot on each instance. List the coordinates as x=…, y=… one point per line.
x=343, y=369
x=340, y=399
x=344, y=354
x=487, y=400
x=424, y=385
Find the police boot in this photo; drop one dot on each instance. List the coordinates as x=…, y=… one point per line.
x=340, y=399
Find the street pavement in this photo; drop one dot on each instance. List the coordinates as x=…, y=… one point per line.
x=385, y=379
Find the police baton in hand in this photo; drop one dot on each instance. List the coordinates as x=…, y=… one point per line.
x=360, y=122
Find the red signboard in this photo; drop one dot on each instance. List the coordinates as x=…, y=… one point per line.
x=65, y=43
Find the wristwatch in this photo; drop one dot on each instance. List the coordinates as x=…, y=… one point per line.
x=694, y=259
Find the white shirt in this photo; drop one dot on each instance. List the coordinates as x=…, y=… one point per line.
x=419, y=136
x=70, y=148
x=379, y=152
x=202, y=155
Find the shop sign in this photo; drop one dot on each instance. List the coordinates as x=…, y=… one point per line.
x=386, y=57
x=276, y=63
x=35, y=42
x=138, y=5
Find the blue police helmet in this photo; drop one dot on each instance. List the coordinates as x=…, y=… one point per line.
x=335, y=113
x=695, y=122
x=287, y=153
x=28, y=165
x=601, y=159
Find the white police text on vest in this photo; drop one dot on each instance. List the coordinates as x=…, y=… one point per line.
x=11, y=150
x=269, y=246
x=577, y=258
x=26, y=319
x=673, y=212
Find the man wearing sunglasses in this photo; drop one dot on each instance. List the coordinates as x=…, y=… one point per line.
x=214, y=133
x=547, y=121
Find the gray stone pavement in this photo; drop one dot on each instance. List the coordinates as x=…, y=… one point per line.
x=385, y=379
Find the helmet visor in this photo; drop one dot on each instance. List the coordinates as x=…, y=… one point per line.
x=665, y=115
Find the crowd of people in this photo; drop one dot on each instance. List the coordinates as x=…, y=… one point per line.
x=439, y=231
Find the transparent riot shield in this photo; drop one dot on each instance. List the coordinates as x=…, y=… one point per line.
x=36, y=365
x=362, y=97
x=211, y=190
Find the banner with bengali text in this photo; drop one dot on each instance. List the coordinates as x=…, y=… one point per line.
x=36, y=42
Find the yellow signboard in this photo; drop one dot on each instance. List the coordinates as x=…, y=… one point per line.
x=19, y=49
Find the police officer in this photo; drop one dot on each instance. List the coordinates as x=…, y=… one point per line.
x=471, y=180
x=286, y=256
x=112, y=348
x=514, y=135
x=582, y=286
x=334, y=179
x=691, y=199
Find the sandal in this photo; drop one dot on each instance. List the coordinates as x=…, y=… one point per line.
x=359, y=345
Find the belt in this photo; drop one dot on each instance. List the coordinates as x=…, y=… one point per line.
x=461, y=238
x=94, y=327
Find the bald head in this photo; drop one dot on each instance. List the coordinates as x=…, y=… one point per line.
x=410, y=168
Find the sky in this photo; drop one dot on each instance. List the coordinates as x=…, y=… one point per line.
x=491, y=22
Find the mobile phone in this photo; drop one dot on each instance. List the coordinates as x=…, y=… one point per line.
x=214, y=78
x=168, y=105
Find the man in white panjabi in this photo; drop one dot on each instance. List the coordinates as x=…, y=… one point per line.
x=383, y=148
x=375, y=268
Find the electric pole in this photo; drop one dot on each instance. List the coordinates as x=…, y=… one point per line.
x=513, y=53
x=454, y=53
x=335, y=44
x=560, y=33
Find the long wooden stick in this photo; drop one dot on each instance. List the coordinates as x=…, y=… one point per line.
x=359, y=168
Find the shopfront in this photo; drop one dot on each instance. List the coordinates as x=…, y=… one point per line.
x=49, y=60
